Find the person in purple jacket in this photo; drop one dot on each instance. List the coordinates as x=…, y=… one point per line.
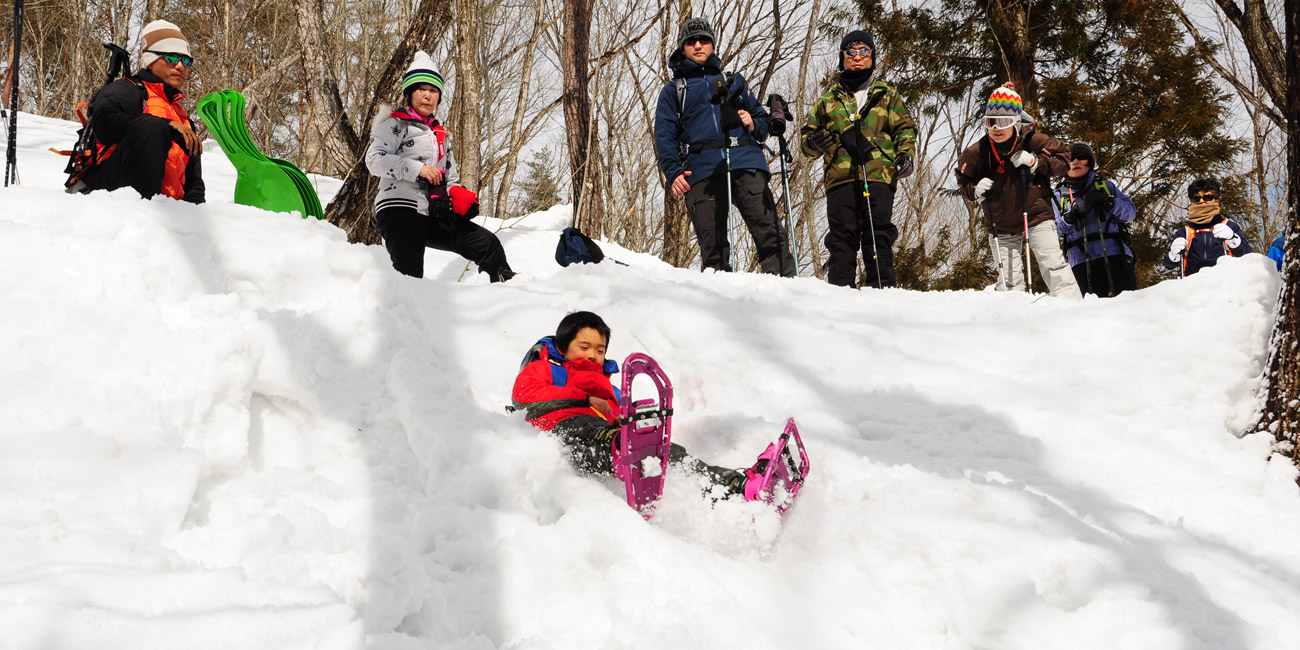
x=1207, y=234
x=1090, y=217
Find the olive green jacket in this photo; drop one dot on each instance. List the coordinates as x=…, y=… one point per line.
x=887, y=125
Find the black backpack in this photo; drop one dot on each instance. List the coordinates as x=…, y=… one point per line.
x=84, y=156
x=575, y=247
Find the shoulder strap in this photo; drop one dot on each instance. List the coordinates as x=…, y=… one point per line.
x=1101, y=184
x=680, y=83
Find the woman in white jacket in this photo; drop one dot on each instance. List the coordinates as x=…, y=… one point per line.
x=419, y=202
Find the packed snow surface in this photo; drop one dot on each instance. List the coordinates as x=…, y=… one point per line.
x=227, y=428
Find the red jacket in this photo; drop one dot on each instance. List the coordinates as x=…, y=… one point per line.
x=546, y=404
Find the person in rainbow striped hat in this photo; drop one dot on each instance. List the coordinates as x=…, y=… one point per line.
x=1007, y=174
x=420, y=202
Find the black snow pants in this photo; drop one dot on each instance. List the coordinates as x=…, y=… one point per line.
x=852, y=227
x=706, y=201
x=406, y=233
x=590, y=441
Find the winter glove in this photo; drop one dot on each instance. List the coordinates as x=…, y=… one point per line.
x=1176, y=249
x=903, y=166
x=1225, y=232
x=981, y=188
x=1023, y=158
x=464, y=203
x=1076, y=214
x=1102, y=201
x=821, y=140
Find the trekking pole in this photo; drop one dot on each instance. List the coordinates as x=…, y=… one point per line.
x=1110, y=279
x=1024, y=205
x=785, y=189
x=997, y=247
x=871, y=222
x=11, y=150
x=726, y=153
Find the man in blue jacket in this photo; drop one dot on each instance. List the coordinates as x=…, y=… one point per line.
x=1207, y=235
x=1090, y=213
x=708, y=135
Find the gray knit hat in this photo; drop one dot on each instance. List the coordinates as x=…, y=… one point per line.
x=693, y=28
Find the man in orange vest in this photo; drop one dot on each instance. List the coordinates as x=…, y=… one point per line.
x=145, y=138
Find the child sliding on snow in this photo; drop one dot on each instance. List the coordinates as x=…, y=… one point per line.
x=564, y=387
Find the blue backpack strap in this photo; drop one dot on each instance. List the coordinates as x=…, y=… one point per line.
x=544, y=349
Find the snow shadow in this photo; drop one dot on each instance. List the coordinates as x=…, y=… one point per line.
x=363, y=435
x=885, y=440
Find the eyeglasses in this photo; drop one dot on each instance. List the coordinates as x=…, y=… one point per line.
x=174, y=58
x=866, y=51
x=697, y=39
x=1000, y=122
x=1205, y=197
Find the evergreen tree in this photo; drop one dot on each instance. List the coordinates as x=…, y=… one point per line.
x=541, y=185
x=1117, y=75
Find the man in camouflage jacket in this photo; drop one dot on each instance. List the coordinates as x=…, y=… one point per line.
x=860, y=127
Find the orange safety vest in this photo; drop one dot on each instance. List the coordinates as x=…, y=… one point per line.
x=156, y=103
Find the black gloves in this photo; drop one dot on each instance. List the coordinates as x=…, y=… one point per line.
x=1076, y=214
x=903, y=166
x=1102, y=201
x=821, y=140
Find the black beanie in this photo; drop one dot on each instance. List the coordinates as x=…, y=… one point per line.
x=857, y=36
x=1081, y=151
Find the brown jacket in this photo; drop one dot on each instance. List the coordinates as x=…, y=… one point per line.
x=1002, y=203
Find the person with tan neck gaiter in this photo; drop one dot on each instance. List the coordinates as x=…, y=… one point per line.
x=1207, y=234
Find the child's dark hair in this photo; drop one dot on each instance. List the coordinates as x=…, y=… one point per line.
x=1202, y=185
x=573, y=323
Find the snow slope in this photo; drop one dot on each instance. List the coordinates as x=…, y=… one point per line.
x=225, y=428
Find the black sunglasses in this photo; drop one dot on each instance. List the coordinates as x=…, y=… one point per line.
x=697, y=39
x=173, y=58
x=1205, y=197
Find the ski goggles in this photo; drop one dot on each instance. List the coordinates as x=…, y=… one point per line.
x=1000, y=122
x=174, y=58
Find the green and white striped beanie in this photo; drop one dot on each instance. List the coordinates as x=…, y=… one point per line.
x=421, y=72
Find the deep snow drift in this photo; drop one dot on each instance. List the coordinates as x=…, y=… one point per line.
x=225, y=428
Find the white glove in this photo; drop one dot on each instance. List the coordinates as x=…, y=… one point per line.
x=1023, y=158
x=1176, y=249
x=981, y=188
x=1225, y=232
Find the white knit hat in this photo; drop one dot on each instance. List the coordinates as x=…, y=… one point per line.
x=421, y=72
x=161, y=36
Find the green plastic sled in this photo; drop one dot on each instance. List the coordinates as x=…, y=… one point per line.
x=267, y=183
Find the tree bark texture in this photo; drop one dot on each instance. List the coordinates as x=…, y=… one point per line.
x=351, y=209
x=1009, y=23
x=1280, y=408
x=469, y=97
x=336, y=142
x=587, y=203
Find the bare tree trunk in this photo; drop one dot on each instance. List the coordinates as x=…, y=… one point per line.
x=521, y=108
x=469, y=98
x=330, y=136
x=677, y=248
x=802, y=171
x=351, y=207
x=588, y=208
x=1280, y=412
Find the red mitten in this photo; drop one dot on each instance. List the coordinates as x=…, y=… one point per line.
x=463, y=201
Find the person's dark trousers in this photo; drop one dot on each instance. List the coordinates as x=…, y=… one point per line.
x=139, y=159
x=753, y=199
x=1121, y=270
x=406, y=233
x=590, y=441
x=851, y=229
